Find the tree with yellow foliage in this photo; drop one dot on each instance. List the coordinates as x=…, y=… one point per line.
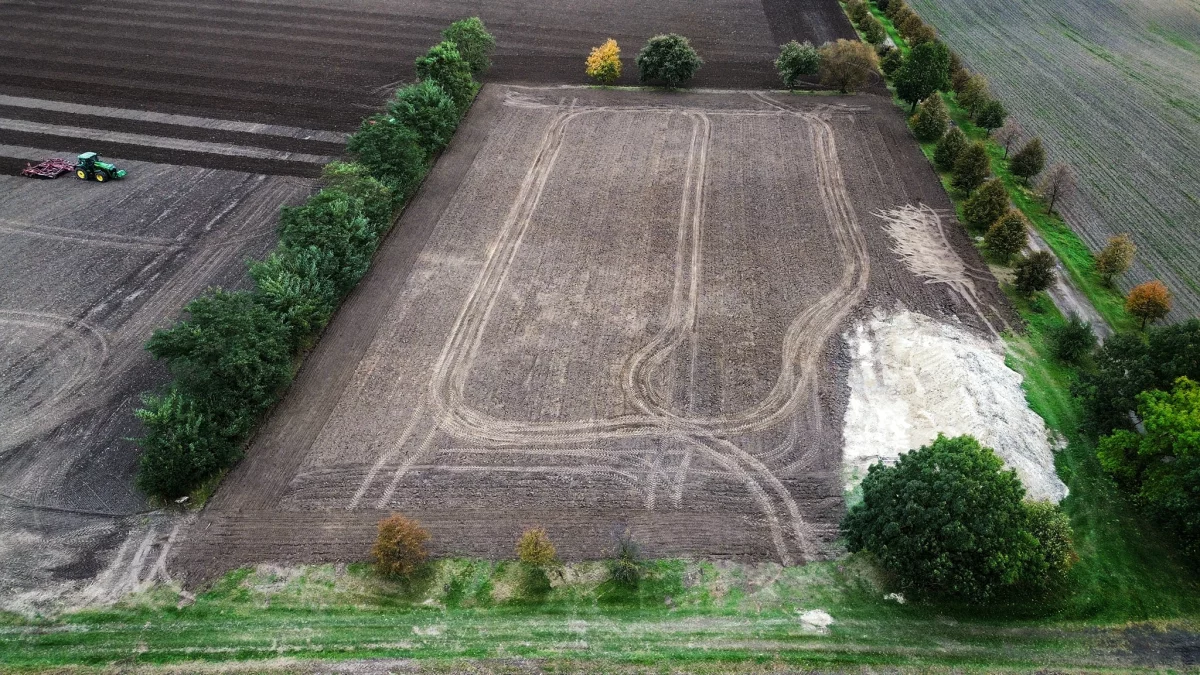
x=604, y=63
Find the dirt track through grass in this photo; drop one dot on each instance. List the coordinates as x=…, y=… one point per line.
x=1114, y=89
x=582, y=339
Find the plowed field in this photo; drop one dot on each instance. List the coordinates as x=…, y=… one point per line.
x=608, y=309
x=1113, y=87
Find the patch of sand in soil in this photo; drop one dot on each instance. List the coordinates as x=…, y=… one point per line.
x=912, y=377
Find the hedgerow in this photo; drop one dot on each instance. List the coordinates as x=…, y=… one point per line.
x=234, y=354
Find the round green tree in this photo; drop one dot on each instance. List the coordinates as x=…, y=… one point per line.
x=1034, y=273
x=474, y=42
x=931, y=120
x=948, y=521
x=986, y=204
x=1029, y=160
x=796, y=60
x=1007, y=236
x=668, y=59
x=426, y=109
x=949, y=147
x=971, y=167
x=444, y=65
x=925, y=71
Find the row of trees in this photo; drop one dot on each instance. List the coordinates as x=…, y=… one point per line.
x=668, y=59
x=400, y=553
x=235, y=352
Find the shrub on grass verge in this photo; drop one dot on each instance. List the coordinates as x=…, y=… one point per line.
x=399, y=549
x=971, y=167
x=1007, y=236
x=931, y=121
x=668, y=59
x=847, y=65
x=949, y=147
x=473, y=42
x=604, y=63
x=986, y=204
x=1073, y=340
x=797, y=60
x=950, y=523
x=427, y=110
x=1034, y=273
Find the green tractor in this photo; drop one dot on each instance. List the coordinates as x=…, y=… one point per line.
x=89, y=167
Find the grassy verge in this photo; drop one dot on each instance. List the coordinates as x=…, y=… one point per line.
x=1075, y=255
x=1127, y=570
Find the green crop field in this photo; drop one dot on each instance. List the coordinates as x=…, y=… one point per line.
x=1113, y=88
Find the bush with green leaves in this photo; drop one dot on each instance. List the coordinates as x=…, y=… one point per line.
x=1029, y=160
x=356, y=180
x=924, y=72
x=1162, y=467
x=1007, y=236
x=231, y=355
x=334, y=223
x=393, y=154
x=426, y=109
x=668, y=59
x=182, y=446
x=797, y=60
x=857, y=10
x=986, y=204
x=872, y=29
x=473, y=41
x=931, y=121
x=1072, y=341
x=971, y=168
x=1034, y=273
x=1128, y=364
x=891, y=62
x=991, y=115
x=949, y=147
x=950, y=523
x=443, y=65
x=293, y=283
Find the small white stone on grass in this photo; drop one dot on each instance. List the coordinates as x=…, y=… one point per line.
x=816, y=621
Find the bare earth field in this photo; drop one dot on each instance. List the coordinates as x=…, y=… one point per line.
x=1113, y=87
x=608, y=309
x=325, y=64
x=90, y=271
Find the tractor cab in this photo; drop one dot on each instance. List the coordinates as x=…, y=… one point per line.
x=89, y=167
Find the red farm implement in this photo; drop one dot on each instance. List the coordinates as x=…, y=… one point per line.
x=51, y=168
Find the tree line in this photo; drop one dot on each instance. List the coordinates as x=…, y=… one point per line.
x=235, y=352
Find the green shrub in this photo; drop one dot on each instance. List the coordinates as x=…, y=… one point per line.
x=1029, y=160
x=931, y=121
x=891, y=63
x=1164, y=471
x=949, y=522
x=986, y=204
x=182, y=446
x=293, y=283
x=1073, y=340
x=971, y=167
x=392, y=153
x=1055, y=554
x=231, y=355
x=795, y=61
x=669, y=59
x=1034, y=273
x=443, y=65
x=1127, y=365
x=949, y=147
x=473, y=41
x=427, y=110
x=355, y=180
x=333, y=222
x=1007, y=236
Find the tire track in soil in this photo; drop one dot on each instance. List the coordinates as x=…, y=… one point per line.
x=806, y=335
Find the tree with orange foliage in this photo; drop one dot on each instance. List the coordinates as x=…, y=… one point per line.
x=399, y=549
x=1150, y=301
x=604, y=63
